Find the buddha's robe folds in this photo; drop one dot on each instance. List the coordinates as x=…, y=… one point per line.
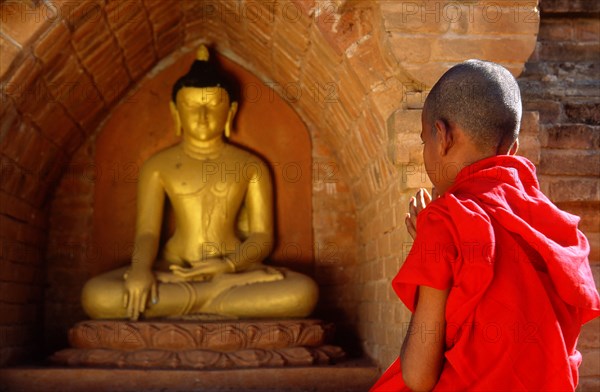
x=519, y=278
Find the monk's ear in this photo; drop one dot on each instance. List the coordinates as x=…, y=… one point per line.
x=175, y=117
x=514, y=147
x=445, y=136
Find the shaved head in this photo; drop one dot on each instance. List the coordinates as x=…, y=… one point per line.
x=482, y=98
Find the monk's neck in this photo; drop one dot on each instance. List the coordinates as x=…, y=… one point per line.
x=203, y=149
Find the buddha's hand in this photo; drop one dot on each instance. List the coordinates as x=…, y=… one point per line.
x=139, y=284
x=203, y=270
x=416, y=204
x=168, y=277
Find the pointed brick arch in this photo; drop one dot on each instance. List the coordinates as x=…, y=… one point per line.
x=345, y=66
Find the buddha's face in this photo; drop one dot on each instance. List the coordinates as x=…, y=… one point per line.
x=203, y=112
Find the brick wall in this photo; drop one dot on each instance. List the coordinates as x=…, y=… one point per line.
x=70, y=253
x=562, y=82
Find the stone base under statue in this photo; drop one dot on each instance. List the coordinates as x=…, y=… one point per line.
x=180, y=344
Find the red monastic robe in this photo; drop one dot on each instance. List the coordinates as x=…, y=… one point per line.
x=519, y=278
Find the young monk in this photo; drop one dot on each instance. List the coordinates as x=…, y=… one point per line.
x=498, y=278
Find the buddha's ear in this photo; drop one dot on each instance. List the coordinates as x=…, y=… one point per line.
x=230, y=117
x=176, y=118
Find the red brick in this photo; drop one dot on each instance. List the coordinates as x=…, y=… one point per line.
x=54, y=41
x=21, y=252
x=570, y=162
x=165, y=18
x=584, y=112
x=572, y=136
x=590, y=365
x=415, y=17
x=587, y=30
x=11, y=314
x=457, y=49
x=570, y=189
x=15, y=141
x=27, y=71
x=14, y=207
x=554, y=30
x=20, y=293
x=428, y=74
x=58, y=127
x=494, y=18
x=13, y=230
x=370, y=62
x=60, y=72
x=36, y=153
x=14, y=355
x=530, y=124
x=9, y=54
x=24, y=23
x=564, y=6
x=20, y=273
x=588, y=384
x=386, y=98
x=140, y=63
x=343, y=28
x=411, y=48
x=18, y=335
x=286, y=66
x=573, y=51
x=292, y=35
x=90, y=36
x=306, y=6
x=81, y=12
x=549, y=110
x=83, y=101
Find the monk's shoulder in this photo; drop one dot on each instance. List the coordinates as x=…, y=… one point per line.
x=436, y=219
x=436, y=210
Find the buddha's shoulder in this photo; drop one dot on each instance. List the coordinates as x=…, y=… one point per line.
x=245, y=156
x=163, y=157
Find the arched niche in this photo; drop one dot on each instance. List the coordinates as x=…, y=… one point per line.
x=141, y=125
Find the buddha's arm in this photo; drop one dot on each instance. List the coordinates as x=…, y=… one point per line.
x=150, y=203
x=140, y=281
x=259, y=206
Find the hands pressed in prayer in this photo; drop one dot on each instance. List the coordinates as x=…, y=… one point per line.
x=416, y=204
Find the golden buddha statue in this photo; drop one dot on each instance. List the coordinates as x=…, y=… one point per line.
x=222, y=201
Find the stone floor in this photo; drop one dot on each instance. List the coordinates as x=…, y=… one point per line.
x=349, y=376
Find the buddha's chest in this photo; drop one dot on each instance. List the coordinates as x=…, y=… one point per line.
x=201, y=179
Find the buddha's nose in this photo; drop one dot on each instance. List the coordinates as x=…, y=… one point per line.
x=202, y=117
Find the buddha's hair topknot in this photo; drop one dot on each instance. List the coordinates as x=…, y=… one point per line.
x=205, y=72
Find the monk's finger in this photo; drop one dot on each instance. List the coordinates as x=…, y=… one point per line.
x=410, y=226
x=420, y=199
x=426, y=196
x=412, y=206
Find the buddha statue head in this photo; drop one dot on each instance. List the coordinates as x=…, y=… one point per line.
x=204, y=101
